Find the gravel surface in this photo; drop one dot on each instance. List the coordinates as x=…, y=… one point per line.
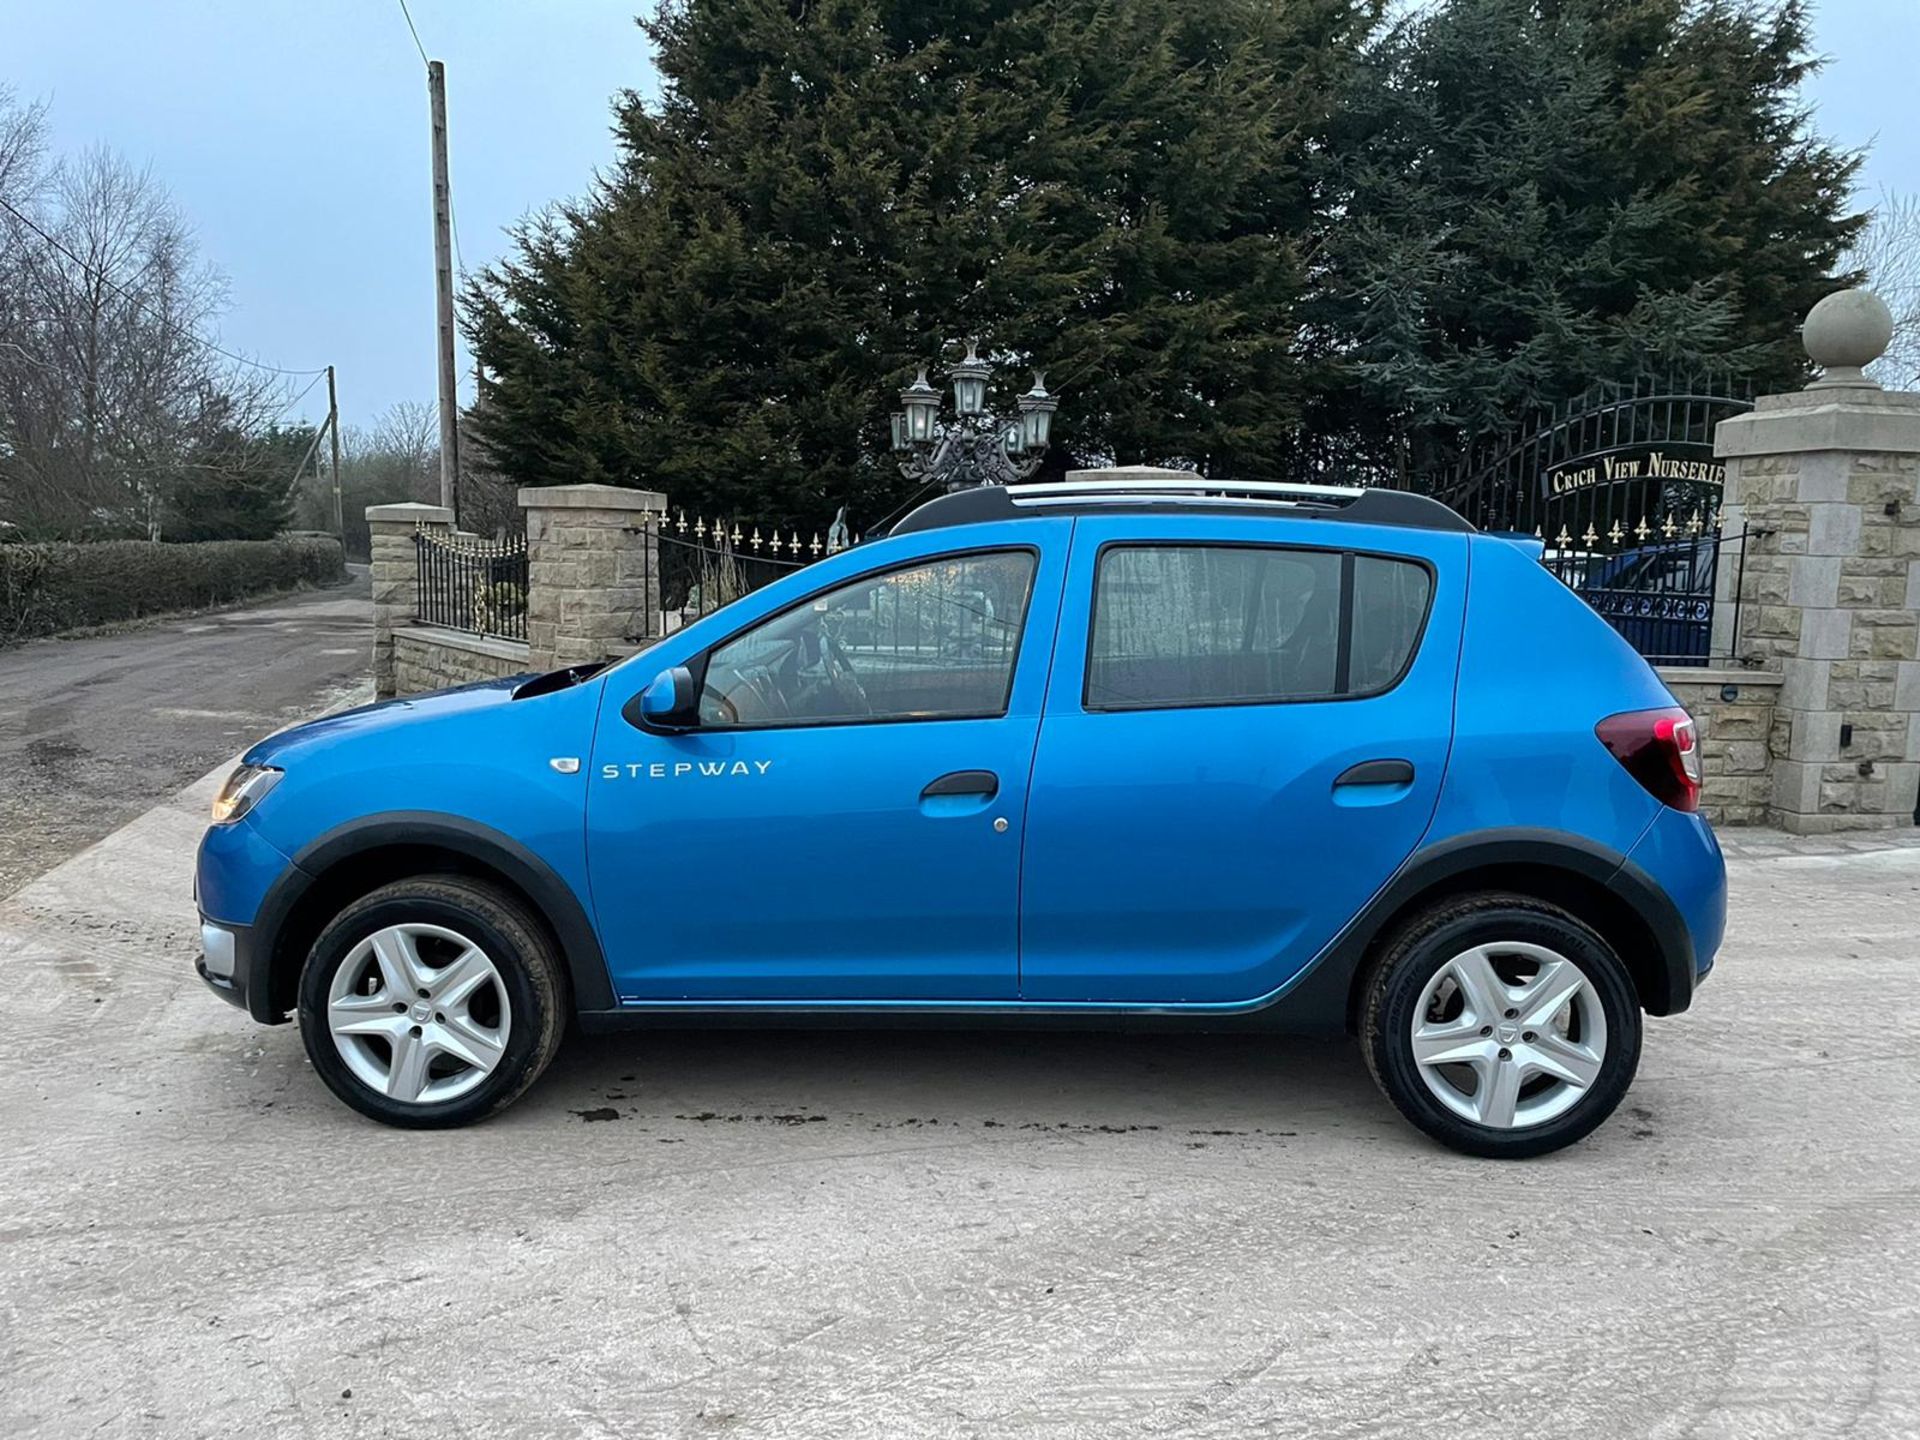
x=848, y=1235
x=96, y=730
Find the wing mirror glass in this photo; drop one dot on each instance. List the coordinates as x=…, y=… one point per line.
x=671, y=701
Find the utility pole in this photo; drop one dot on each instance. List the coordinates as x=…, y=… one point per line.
x=443, y=285
x=333, y=427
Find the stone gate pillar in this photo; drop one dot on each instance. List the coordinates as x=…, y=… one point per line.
x=1832, y=475
x=395, y=572
x=592, y=573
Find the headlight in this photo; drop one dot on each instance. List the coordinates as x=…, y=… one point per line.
x=244, y=789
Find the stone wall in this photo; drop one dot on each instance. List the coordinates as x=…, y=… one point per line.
x=1733, y=710
x=426, y=657
x=1827, y=482
x=394, y=573
x=593, y=573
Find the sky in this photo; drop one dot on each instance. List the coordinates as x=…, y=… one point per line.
x=295, y=139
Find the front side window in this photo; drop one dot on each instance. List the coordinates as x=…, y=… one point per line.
x=1182, y=625
x=935, y=640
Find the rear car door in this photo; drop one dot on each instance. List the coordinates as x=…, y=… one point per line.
x=845, y=821
x=1244, y=737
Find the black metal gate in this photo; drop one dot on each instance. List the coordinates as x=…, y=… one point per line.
x=1621, y=487
x=698, y=566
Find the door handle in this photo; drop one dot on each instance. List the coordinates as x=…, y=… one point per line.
x=983, y=783
x=1376, y=772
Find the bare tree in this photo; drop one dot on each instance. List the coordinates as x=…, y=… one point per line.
x=1888, y=250
x=406, y=440
x=106, y=388
x=23, y=148
x=397, y=459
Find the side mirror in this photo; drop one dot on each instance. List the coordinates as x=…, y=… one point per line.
x=671, y=701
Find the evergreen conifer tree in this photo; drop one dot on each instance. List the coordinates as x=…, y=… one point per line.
x=831, y=193
x=1538, y=194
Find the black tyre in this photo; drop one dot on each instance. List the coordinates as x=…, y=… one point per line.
x=1501, y=1025
x=432, y=1002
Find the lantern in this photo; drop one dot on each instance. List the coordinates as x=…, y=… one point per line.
x=1036, y=414
x=919, y=401
x=970, y=383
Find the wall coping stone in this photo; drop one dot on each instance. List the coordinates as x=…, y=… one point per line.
x=1879, y=422
x=591, y=497
x=1725, y=675
x=492, y=646
x=1119, y=474
x=410, y=512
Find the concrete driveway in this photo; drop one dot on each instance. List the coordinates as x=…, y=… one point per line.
x=95, y=730
x=895, y=1236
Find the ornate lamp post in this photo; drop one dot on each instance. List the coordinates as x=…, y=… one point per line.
x=977, y=447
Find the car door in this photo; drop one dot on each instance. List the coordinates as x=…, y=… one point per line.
x=1245, y=736
x=845, y=821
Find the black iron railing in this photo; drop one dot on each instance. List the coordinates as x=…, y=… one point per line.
x=692, y=568
x=474, y=585
x=1662, y=591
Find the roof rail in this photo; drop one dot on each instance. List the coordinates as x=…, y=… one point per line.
x=1360, y=505
x=1196, y=487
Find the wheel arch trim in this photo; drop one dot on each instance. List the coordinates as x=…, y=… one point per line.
x=1323, y=996
x=553, y=899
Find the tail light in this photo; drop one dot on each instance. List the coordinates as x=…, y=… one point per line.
x=1659, y=749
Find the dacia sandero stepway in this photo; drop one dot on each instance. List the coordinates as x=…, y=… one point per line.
x=1304, y=759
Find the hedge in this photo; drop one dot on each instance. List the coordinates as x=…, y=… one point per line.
x=45, y=589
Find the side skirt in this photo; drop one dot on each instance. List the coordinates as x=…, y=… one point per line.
x=1314, y=1004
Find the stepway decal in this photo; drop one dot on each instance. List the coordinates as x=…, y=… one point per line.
x=674, y=770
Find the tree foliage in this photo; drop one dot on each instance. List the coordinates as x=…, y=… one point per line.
x=1232, y=231
x=232, y=485
x=831, y=194
x=1540, y=193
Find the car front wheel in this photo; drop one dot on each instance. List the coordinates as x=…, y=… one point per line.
x=1501, y=1025
x=432, y=1002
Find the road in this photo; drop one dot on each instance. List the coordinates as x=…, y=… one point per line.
x=96, y=731
x=991, y=1236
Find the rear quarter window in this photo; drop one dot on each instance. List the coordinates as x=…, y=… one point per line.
x=1390, y=600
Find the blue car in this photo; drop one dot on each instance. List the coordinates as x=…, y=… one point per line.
x=1304, y=759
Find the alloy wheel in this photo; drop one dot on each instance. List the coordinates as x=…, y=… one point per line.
x=419, y=1013
x=1509, y=1035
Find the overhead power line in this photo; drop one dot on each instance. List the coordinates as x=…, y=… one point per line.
x=459, y=260
x=298, y=398
x=136, y=301
x=446, y=238
x=416, y=34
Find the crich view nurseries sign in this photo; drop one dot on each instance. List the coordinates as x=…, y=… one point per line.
x=1619, y=469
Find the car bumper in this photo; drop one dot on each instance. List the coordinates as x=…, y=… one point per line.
x=236, y=870
x=1681, y=857
x=225, y=961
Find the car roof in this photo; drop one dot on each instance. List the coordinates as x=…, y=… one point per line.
x=1186, y=495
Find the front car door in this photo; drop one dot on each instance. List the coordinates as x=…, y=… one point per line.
x=845, y=823
x=1245, y=737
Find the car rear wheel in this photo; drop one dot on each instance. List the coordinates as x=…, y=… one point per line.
x=1501, y=1025
x=432, y=1002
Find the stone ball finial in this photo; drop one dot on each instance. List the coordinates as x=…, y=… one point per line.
x=1843, y=333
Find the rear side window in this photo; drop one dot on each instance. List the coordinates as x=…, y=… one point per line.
x=1178, y=625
